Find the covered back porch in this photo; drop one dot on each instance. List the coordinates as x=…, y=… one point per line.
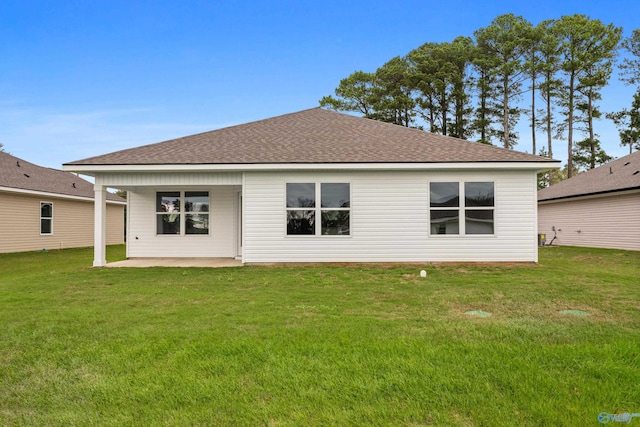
x=174, y=219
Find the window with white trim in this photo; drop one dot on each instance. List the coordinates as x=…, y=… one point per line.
x=46, y=218
x=303, y=209
x=461, y=208
x=182, y=212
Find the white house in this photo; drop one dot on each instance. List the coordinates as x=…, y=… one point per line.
x=599, y=208
x=321, y=186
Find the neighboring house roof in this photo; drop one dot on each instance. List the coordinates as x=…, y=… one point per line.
x=314, y=136
x=619, y=175
x=22, y=176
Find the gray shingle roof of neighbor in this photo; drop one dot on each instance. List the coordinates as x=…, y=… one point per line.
x=313, y=136
x=619, y=175
x=19, y=174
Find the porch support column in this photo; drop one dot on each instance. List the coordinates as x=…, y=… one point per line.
x=100, y=226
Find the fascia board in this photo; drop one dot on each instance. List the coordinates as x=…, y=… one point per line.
x=92, y=170
x=56, y=195
x=588, y=196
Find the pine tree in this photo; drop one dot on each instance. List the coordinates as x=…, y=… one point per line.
x=392, y=93
x=534, y=66
x=630, y=66
x=550, y=84
x=354, y=93
x=506, y=39
x=628, y=124
x=584, y=44
x=440, y=77
x=484, y=114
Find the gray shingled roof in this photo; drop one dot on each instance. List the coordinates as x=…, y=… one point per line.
x=619, y=175
x=22, y=175
x=311, y=136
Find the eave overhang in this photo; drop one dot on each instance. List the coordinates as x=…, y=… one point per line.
x=592, y=195
x=55, y=195
x=93, y=170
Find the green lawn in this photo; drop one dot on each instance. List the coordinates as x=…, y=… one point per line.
x=319, y=345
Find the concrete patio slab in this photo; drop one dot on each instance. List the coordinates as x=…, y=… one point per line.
x=177, y=262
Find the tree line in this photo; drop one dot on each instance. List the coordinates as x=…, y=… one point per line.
x=480, y=87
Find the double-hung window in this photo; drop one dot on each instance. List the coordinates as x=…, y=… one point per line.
x=444, y=201
x=331, y=216
x=182, y=212
x=461, y=208
x=301, y=209
x=196, y=208
x=46, y=218
x=479, y=206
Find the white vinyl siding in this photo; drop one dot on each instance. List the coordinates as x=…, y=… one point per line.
x=143, y=241
x=179, y=179
x=390, y=219
x=607, y=221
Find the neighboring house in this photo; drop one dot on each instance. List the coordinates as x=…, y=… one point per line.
x=321, y=186
x=599, y=208
x=43, y=208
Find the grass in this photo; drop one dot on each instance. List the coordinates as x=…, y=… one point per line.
x=319, y=345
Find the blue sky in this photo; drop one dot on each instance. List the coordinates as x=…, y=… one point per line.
x=82, y=78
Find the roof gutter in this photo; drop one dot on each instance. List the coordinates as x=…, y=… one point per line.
x=591, y=195
x=91, y=170
x=57, y=195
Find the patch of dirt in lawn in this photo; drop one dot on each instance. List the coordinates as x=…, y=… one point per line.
x=544, y=311
x=474, y=311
